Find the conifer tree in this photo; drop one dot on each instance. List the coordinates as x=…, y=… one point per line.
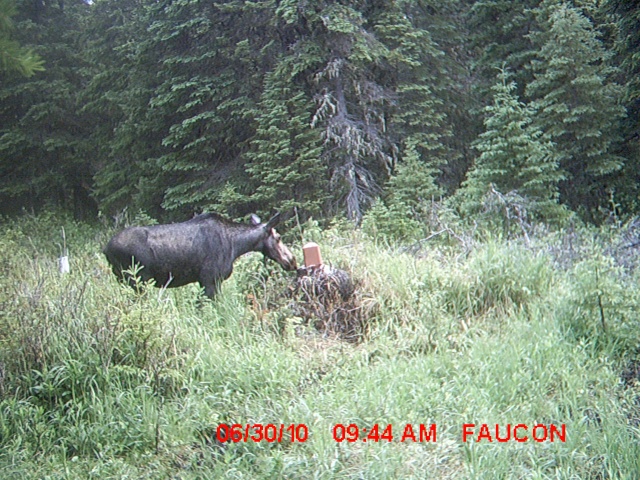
x=126, y=134
x=43, y=133
x=210, y=125
x=284, y=162
x=628, y=46
x=202, y=98
x=187, y=106
x=13, y=57
x=351, y=105
x=378, y=80
x=499, y=31
x=626, y=15
x=514, y=156
x=579, y=105
x=419, y=118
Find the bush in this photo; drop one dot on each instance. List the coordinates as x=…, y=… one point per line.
x=395, y=223
x=600, y=304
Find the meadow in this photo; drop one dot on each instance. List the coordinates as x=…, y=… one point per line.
x=98, y=381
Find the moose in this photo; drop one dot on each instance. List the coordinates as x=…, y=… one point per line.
x=202, y=250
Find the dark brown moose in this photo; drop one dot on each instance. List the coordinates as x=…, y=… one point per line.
x=202, y=250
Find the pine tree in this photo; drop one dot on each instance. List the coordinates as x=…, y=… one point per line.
x=351, y=105
x=379, y=82
x=628, y=46
x=203, y=97
x=500, y=34
x=513, y=156
x=125, y=133
x=186, y=107
x=579, y=105
x=422, y=78
x=284, y=160
x=626, y=16
x=43, y=133
x=13, y=57
x=202, y=116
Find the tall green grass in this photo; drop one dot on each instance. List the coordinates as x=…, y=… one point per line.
x=98, y=381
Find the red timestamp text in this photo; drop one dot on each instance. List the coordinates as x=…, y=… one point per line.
x=257, y=432
x=379, y=433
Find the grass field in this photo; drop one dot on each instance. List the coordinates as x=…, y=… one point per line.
x=97, y=381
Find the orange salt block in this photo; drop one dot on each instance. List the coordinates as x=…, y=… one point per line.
x=312, y=257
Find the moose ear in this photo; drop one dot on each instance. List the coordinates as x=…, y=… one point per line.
x=255, y=220
x=273, y=221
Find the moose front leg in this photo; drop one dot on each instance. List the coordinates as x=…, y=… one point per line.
x=211, y=282
x=211, y=288
x=211, y=285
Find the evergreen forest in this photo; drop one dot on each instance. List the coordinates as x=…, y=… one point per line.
x=327, y=108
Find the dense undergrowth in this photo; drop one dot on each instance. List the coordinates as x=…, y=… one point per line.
x=97, y=381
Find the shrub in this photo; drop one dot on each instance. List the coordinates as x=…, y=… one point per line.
x=394, y=223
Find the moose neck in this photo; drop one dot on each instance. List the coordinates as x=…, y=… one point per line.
x=246, y=240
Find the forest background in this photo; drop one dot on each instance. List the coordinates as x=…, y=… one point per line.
x=329, y=108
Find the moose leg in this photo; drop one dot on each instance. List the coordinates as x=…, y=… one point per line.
x=211, y=279
x=211, y=290
x=211, y=286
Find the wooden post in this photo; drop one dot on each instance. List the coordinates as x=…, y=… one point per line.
x=63, y=260
x=312, y=257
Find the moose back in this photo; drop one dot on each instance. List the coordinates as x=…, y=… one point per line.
x=202, y=250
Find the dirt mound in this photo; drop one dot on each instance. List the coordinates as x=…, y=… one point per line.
x=328, y=297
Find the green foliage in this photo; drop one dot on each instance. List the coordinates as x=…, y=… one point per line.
x=127, y=134
x=369, y=71
x=13, y=57
x=424, y=82
x=499, y=29
x=579, y=104
x=395, y=222
x=179, y=106
x=402, y=215
x=625, y=17
x=498, y=278
x=602, y=304
x=514, y=156
x=43, y=147
x=413, y=183
x=98, y=379
x=283, y=163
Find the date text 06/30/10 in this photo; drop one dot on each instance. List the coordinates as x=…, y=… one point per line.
x=256, y=432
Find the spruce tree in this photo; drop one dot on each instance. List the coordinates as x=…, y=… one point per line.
x=14, y=57
x=284, y=161
x=125, y=132
x=186, y=107
x=43, y=132
x=579, y=105
x=202, y=98
x=514, y=156
x=422, y=80
x=379, y=82
x=499, y=33
x=214, y=87
x=626, y=16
